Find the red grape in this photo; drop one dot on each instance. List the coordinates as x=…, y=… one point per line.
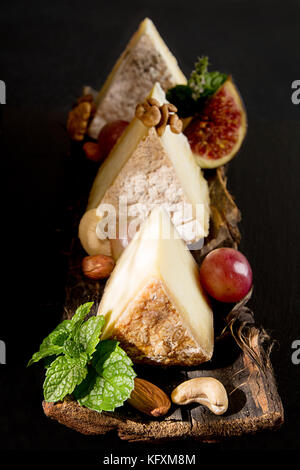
x=226, y=275
x=109, y=135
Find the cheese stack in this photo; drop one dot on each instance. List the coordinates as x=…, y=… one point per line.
x=153, y=302
x=147, y=169
x=145, y=61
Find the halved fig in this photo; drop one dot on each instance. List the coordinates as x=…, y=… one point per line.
x=216, y=134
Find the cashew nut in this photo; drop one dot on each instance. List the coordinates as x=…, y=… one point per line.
x=148, y=114
x=160, y=128
x=118, y=245
x=175, y=124
x=206, y=391
x=88, y=237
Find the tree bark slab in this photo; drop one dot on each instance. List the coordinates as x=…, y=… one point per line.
x=254, y=403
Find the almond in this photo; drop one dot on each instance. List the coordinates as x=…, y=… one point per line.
x=98, y=266
x=149, y=399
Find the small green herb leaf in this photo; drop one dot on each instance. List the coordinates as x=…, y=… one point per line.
x=182, y=97
x=57, y=341
x=63, y=375
x=89, y=333
x=59, y=335
x=87, y=385
x=197, y=78
x=101, y=385
x=189, y=99
x=114, y=381
x=213, y=81
x=202, y=82
x=73, y=348
x=45, y=352
x=53, y=343
x=81, y=312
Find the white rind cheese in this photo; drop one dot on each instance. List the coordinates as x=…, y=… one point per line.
x=151, y=170
x=145, y=61
x=153, y=302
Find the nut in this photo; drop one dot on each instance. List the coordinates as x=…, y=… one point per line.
x=91, y=150
x=78, y=119
x=88, y=97
x=160, y=128
x=153, y=102
x=175, y=124
x=88, y=237
x=206, y=391
x=167, y=118
x=172, y=108
x=149, y=399
x=97, y=267
x=148, y=114
x=153, y=115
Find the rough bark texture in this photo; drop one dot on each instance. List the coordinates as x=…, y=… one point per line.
x=223, y=229
x=254, y=403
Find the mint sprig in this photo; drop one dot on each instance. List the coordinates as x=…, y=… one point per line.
x=80, y=314
x=89, y=334
x=189, y=99
x=98, y=373
x=112, y=380
x=63, y=375
x=54, y=343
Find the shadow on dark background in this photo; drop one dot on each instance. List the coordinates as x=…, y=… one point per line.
x=48, y=52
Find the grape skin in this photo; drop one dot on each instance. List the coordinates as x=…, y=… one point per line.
x=109, y=135
x=226, y=275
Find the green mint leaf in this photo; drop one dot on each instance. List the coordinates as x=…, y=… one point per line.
x=190, y=98
x=53, y=343
x=81, y=312
x=204, y=83
x=63, y=375
x=114, y=381
x=213, y=81
x=72, y=348
x=87, y=385
x=59, y=335
x=182, y=97
x=89, y=333
x=45, y=352
x=48, y=361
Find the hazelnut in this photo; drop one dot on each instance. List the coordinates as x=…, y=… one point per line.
x=97, y=267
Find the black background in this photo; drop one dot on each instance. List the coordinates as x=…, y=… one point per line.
x=48, y=52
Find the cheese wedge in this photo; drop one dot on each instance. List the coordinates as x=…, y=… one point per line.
x=153, y=302
x=145, y=61
x=145, y=169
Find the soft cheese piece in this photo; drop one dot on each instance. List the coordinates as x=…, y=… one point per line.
x=153, y=302
x=145, y=61
x=151, y=170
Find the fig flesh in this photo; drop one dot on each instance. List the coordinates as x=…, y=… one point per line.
x=217, y=132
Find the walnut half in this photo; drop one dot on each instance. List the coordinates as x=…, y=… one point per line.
x=79, y=117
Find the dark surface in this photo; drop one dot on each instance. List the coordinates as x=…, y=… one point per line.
x=47, y=53
x=254, y=404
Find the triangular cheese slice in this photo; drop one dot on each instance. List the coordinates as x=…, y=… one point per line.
x=144, y=168
x=153, y=302
x=145, y=60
